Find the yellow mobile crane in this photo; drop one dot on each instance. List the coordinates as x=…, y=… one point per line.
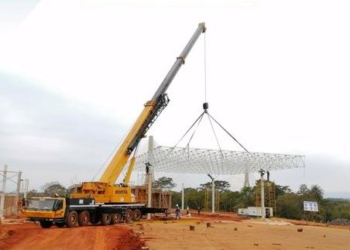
x=105, y=189
x=104, y=201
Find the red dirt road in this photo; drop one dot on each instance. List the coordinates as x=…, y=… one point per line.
x=29, y=236
x=205, y=231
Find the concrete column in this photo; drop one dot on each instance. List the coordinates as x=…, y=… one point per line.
x=212, y=193
x=262, y=198
x=149, y=182
x=183, y=197
x=2, y=197
x=149, y=177
x=246, y=179
x=213, y=196
x=25, y=188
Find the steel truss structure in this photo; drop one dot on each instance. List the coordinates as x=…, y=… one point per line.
x=220, y=162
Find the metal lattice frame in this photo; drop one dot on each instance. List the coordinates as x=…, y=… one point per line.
x=224, y=162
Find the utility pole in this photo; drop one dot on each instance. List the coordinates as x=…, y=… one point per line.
x=212, y=194
x=24, y=188
x=19, y=179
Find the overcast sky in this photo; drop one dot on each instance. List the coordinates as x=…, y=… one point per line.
x=74, y=76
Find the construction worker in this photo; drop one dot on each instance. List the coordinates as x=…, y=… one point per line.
x=177, y=212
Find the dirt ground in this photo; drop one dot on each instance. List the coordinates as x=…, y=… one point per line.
x=210, y=232
x=20, y=235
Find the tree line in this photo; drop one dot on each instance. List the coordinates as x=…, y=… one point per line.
x=285, y=202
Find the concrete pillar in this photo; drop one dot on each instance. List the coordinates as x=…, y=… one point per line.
x=149, y=191
x=246, y=179
x=212, y=193
x=183, y=197
x=149, y=177
x=25, y=186
x=2, y=197
x=213, y=196
x=262, y=198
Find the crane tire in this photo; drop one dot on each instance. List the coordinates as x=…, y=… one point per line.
x=137, y=215
x=128, y=215
x=45, y=224
x=84, y=218
x=60, y=224
x=72, y=219
x=116, y=218
x=106, y=219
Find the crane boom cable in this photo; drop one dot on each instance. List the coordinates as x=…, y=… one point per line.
x=205, y=69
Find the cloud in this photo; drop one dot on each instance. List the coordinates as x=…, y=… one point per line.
x=13, y=12
x=51, y=138
x=276, y=82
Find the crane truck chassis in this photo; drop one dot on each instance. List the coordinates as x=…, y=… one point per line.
x=72, y=212
x=103, y=201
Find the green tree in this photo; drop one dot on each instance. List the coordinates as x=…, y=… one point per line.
x=246, y=198
x=222, y=186
x=289, y=206
x=303, y=189
x=176, y=198
x=54, y=188
x=229, y=201
x=316, y=193
x=164, y=183
x=193, y=198
x=33, y=193
x=281, y=190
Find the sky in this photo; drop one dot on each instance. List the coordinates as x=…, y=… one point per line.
x=74, y=76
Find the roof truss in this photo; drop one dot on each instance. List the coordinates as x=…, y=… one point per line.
x=220, y=162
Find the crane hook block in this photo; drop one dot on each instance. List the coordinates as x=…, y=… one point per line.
x=205, y=106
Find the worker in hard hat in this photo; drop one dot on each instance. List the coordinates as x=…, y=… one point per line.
x=177, y=212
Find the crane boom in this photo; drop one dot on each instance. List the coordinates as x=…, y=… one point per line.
x=105, y=190
x=148, y=116
x=179, y=61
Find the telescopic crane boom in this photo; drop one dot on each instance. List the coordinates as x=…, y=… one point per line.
x=106, y=188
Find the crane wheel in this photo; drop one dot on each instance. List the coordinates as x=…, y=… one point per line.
x=128, y=215
x=137, y=215
x=45, y=224
x=72, y=219
x=84, y=218
x=106, y=219
x=60, y=224
x=116, y=218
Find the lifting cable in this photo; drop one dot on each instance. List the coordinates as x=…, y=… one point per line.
x=205, y=69
x=199, y=119
x=230, y=135
x=205, y=107
x=216, y=138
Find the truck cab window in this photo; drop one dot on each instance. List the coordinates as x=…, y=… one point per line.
x=59, y=205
